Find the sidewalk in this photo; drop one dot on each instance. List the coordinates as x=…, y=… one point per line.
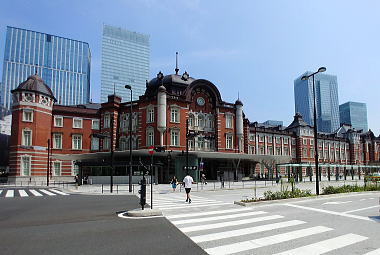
x=260, y=186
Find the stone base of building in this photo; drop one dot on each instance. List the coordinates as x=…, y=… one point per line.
x=38, y=180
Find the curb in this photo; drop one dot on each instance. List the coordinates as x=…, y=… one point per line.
x=144, y=213
x=247, y=204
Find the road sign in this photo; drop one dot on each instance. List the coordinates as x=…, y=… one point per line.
x=190, y=168
x=150, y=150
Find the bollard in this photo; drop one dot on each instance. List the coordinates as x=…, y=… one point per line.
x=142, y=193
x=102, y=188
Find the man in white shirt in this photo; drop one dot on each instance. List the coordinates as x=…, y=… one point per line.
x=188, y=181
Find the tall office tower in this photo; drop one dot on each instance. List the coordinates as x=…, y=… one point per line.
x=64, y=64
x=326, y=89
x=125, y=61
x=354, y=114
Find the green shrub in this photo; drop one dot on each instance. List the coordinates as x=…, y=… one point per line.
x=349, y=188
x=284, y=194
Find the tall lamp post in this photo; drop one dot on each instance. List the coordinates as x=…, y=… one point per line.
x=130, y=140
x=304, y=78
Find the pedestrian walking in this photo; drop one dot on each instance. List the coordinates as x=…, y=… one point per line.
x=188, y=181
x=174, y=183
x=203, y=179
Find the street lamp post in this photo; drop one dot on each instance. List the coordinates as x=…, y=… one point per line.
x=130, y=140
x=304, y=78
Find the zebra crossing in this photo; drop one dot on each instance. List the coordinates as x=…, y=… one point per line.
x=223, y=228
x=11, y=193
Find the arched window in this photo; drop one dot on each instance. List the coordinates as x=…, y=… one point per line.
x=201, y=121
x=191, y=120
x=149, y=136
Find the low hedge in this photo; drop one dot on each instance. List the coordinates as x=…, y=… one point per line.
x=283, y=194
x=349, y=188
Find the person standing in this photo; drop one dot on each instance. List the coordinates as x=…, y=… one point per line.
x=174, y=183
x=188, y=181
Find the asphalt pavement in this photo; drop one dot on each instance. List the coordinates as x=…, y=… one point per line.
x=85, y=224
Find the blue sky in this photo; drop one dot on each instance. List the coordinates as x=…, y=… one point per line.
x=254, y=48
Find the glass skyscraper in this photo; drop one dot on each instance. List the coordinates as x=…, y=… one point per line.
x=125, y=61
x=326, y=89
x=64, y=65
x=354, y=114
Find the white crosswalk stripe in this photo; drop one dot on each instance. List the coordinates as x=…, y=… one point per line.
x=224, y=228
x=265, y=241
x=326, y=245
x=59, y=192
x=374, y=252
x=47, y=192
x=229, y=223
x=23, y=193
x=36, y=193
x=10, y=193
x=213, y=218
x=244, y=231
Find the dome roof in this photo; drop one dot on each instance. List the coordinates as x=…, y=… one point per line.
x=238, y=102
x=36, y=84
x=169, y=81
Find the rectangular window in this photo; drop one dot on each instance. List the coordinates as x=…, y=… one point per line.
x=311, y=153
x=294, y=154
x=106, y=120
x=261, y=138
x=293, y=141
x=174, y=116
x=286, y=151
x=25, y=165
x=228, y=120
x=278, y=151
x=57, y=168
x=311, y=142
x=150, y=115
x=58, y=121
x=278, y=140
x=270, y=150
x=262, y=151
x=77, y=142
x=95, y=143
x=286, y=140
x=77, y=123
x=149, y=137
x=305, y=153
x=57, y=141
x=27, y=137
x=95, y=124
x=174, y=138
x=304, y=140
x=106, y=143
x=74, y=168
x=269, y=139
x=27, y=115
x=229, y=144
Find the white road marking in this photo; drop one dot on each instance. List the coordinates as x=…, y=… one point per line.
x=47, y=192
x=10, y=193
x=36, y=193
x=329, y=212
x=206, y=213
x=183, y=201
x=212, y=218
x=1, y=191
x=229, y=223
x=337, y=203
x=245, y=231
x=22, y=193
x=326, y=245
x=363, y=199
x=59, y=192
x=266, y=241
x=375, y=252
x=362, y=209
x=187, y=205
x=371, y=198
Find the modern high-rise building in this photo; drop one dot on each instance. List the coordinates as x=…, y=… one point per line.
x=326, y=89
x=64, y=64
x=354, y=114
x=273, y=123
x=125, y=61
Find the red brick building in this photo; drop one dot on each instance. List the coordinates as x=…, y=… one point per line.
x=220, y=136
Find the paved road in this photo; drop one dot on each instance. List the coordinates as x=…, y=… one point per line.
x=85, y=224
x=347, y=224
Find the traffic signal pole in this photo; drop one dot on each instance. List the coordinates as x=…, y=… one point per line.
x=151, y=181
